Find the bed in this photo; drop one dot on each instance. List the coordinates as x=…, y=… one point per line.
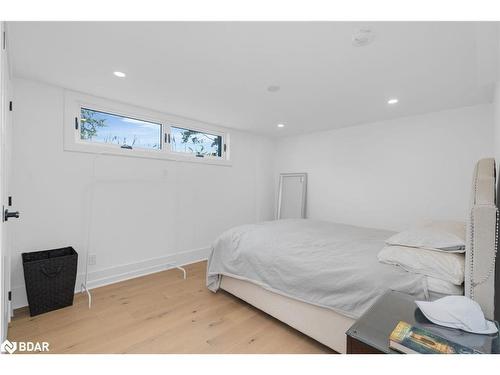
x=319, y=277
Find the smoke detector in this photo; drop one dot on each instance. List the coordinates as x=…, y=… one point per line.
x=362, y=37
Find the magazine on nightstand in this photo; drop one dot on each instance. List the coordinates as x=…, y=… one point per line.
x=406, y=338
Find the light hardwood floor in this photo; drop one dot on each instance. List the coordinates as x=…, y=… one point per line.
x=161, y=313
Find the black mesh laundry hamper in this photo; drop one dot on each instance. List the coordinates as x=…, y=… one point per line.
x=50, y=277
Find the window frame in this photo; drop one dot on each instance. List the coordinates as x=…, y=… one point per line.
x=200, y=130
x=74, y=102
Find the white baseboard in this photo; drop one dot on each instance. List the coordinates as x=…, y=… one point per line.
x=123, y=272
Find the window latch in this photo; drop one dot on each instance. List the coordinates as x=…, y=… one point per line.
x=76, y=123
x=126, y=147
x=167, y=137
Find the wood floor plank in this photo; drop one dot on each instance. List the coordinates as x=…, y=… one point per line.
x=161, y=313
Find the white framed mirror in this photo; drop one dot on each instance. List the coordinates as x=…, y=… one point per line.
x=292, y=196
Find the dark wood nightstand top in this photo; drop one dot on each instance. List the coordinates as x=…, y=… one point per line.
x=375, y=325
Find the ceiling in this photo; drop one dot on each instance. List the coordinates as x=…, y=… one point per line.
x=220, y=72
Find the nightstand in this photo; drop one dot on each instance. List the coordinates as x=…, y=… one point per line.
x=370, y=333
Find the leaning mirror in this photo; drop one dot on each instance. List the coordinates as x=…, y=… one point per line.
x=292, y=196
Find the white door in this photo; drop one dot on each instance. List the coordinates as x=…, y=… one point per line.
x=5, y=143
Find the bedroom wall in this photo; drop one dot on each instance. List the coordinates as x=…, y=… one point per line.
x=392, y=174
x=496, y=115
x=496, y=102
x=496, y=105
x=146, y=212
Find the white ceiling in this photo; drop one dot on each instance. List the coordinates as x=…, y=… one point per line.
x=219, y=72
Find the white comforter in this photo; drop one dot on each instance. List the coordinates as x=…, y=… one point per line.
x=325, y=264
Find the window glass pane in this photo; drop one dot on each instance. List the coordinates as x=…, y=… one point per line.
x=106, y=128
x=196, y=142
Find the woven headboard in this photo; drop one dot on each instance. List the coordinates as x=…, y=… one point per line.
x=481, y=238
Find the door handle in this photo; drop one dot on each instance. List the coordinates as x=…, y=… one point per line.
x=7, y=215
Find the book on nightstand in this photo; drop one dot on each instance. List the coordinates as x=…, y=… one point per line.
x=406, y=338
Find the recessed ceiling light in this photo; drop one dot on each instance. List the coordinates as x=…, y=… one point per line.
x=120, y=74
x=273, y=88
x=281, y=125
x=392, y=101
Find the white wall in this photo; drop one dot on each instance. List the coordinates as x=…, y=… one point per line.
x=496, y=115
x=392, y=174
x=146, y=212
x=496, y=102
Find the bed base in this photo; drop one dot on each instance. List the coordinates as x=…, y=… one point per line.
x=324, y=325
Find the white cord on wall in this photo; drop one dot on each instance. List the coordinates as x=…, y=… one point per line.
x=84, y=286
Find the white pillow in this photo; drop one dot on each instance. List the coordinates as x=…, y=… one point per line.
x=438, y=236
x=443, y=287
x=438, y=264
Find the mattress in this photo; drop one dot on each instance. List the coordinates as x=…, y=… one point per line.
x=325, y=264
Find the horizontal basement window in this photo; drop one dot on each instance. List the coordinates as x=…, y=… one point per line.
x=198, y=143
x=101, y=126
x=125, y=132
